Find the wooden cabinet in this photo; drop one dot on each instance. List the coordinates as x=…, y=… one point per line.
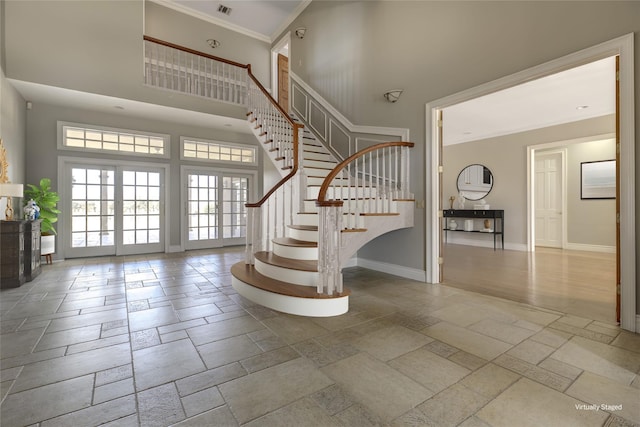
x=12, y=253
x=19, y=253
x=31, y=250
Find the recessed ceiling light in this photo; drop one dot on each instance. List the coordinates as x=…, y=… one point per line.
x=582, y=107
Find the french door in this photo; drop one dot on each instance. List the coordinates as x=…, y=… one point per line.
x=215, y=207
x=113, y=210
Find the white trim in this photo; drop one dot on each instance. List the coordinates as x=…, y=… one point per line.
x=333, y=124
x=63, y=161
x=323, y=135
x=275, y=51
x=622, y=46
x=303, y=115
x=402, y=133
x=531, y=152
x=88, y=127
x=208, y=18
x=185, y=169
x=292, y=17
x=637, y=322
x=221, y=144
x=394, y=269
x=591, y=248
x=175, y=248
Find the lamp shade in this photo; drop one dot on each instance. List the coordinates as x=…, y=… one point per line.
x=11, y=190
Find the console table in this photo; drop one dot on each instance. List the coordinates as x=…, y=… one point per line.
x=496, y=215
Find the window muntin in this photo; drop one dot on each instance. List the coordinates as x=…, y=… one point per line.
x=121, y=141
x=215, y=151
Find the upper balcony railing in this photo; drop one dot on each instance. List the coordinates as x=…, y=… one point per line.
x=178, y=68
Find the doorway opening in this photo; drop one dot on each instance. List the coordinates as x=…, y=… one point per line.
x=280, y=67
x=622, y=47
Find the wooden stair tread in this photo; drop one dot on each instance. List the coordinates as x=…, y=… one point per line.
x=250, y=276
x=289, y=263
x=381, y=214
x=288, y=241
x=304, y=227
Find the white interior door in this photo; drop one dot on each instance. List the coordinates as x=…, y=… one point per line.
x=114, y=210
x=549, y=196
x=215, y=208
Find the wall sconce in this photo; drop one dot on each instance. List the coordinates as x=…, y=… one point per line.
x=393, y=95
x=213, y=43
x=300, y=32
x=10, y=190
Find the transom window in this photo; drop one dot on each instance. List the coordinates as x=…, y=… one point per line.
x=78, y=137
x=214, y=151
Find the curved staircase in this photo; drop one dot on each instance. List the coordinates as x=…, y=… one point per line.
x=285, y=277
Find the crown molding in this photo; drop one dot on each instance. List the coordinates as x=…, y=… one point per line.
x=292, y=17
x=233, y=27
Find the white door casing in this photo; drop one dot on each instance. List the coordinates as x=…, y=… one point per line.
x=549, y=196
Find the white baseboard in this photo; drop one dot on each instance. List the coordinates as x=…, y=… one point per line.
x=637, y=324
x=486, y=243
x=396, y=270
x=175, y=248
x=591, y=248
x=351, y=262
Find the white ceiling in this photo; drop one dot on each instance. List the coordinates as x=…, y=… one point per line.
x=577, y=94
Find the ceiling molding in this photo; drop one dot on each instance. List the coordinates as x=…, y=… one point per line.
x=233, y=27
x=298, y=10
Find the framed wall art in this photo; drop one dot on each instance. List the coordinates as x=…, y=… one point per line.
x=598, y=180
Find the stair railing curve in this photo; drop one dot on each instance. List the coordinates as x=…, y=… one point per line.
x=376, y=178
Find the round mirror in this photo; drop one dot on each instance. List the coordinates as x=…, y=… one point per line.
x=475, y=182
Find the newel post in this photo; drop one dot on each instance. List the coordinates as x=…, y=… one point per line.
x=329, y=244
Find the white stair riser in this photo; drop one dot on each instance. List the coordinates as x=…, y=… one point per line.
x=319, y=164
x=318, y=180
x=304, y=278
x=348, y=220
x=295, y=252
x=306, y=219
x=305, y=235
x=342, y=193
x=314, y=307
x=315, y=155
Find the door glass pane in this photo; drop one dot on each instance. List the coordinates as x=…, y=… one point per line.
x=202, y=194
x=92, y=213
x=140, y=191
x=235, y=197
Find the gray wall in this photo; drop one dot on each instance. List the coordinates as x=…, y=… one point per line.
x=354, y=51
x=97, y=47
x=589, y=222
x=13, y=135
x=42, y=152
x=506, y=156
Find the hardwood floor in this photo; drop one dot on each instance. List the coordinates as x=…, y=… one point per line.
x=574, y=282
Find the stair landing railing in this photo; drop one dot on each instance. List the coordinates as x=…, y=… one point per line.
x=368, y=182
x=177, y=68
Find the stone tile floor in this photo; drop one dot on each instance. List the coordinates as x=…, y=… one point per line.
x=163, y=340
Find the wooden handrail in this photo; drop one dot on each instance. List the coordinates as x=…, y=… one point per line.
x=193, y=52
x=327, y=181
x=296, y=126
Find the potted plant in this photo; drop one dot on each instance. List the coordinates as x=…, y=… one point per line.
x=46, y=200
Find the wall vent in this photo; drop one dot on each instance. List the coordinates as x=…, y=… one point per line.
x=224, y=9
